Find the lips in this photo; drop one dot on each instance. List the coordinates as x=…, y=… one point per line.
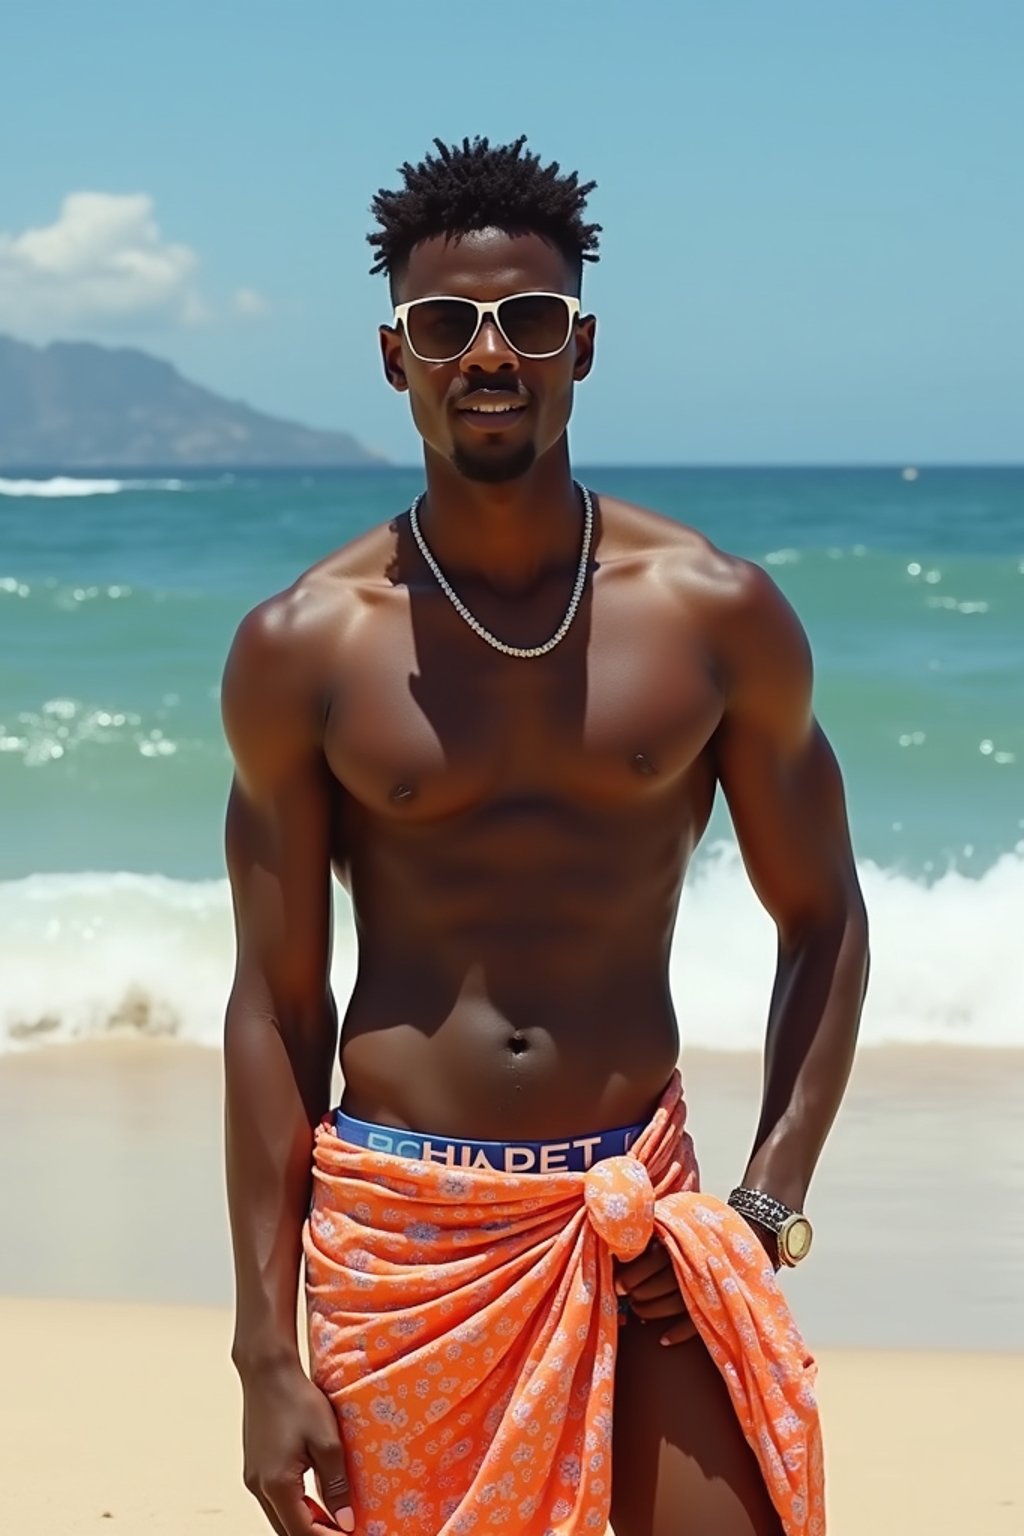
x=491, y=408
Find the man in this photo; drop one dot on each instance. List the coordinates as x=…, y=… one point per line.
x=501, y=719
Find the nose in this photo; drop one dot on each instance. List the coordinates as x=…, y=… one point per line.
x=489, y=353
x=619, y=1200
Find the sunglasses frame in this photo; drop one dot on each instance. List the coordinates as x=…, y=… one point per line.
x=485, y=310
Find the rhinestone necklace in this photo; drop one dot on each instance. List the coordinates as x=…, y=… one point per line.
x=474, y=623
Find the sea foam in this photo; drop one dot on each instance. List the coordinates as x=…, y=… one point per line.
x=94, y=955
x=66, y=485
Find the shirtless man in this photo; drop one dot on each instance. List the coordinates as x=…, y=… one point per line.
x=513, y=821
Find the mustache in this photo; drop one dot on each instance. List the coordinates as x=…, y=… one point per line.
x=508, y=391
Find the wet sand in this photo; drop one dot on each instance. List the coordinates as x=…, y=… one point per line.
x=113, y=1189
x=125, y=1418
x=119, y=1410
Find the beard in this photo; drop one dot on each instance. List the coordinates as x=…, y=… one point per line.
x=491, y=470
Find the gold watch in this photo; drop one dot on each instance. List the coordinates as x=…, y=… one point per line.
x=791, y=1229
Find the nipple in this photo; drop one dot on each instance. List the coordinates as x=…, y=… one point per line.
x=643, y=765
x=401, y=793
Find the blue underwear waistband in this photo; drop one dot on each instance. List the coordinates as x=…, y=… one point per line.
x=572, y=1156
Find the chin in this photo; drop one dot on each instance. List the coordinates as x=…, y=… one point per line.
x=493, y=469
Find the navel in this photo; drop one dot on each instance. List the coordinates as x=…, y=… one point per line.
x=643, y=764
x=517, y=1043
x=402, y=794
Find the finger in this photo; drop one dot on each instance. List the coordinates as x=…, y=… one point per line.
x=322, y=1522
x=660, y=1307
x=288, y=1503
x=328, y=1460
x=653, y=1259
x=268, y=1509
x=664, y=1283
x=272, y=1520
x=680, y=1332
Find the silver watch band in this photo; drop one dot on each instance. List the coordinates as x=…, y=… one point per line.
x=755, y=1205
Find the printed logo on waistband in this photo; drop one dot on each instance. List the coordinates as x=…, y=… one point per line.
x=548, y=1157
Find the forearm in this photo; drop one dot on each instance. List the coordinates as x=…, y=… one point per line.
x=277, y=1087
x=812, y=1032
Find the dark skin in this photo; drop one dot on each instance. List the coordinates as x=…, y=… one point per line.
x=514, y=835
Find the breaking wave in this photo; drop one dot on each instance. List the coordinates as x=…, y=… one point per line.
x=65, y=485
x=90, y=955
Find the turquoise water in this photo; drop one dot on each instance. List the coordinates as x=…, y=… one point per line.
x=118, y=601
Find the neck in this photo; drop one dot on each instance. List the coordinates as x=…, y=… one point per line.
x=507, y=535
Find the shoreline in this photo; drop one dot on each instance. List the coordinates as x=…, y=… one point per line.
x=113, y=1186
x=100, y=1423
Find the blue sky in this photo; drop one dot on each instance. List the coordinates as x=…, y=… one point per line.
x=814, y=227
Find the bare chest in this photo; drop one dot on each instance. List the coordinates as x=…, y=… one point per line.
x=426, y=720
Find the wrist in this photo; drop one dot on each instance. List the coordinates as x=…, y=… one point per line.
x=787, y=1226
x=793, y=1195
x=257, y=1358
x=769, y=1242
x=772, y=1175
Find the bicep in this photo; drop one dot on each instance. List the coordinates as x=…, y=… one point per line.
x=277, y=836
x=789, y=813
x=778, y=772
x=278, y=859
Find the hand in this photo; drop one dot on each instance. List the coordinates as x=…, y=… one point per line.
x=653, y=1291
x=769, y=1242
x=288, y=1427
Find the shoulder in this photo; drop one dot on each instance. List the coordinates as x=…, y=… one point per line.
x=758, y=635
x=752, y=633
x=629, y=532
x=728, y=586
x=288, y=631
x=283, y=658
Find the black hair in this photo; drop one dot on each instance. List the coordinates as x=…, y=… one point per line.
x=477, y=185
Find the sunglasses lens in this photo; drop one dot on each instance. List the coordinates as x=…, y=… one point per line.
x=536, y=323
x=439, y=329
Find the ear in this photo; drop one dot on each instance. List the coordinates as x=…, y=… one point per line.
x=586, y=331
x=391, y=356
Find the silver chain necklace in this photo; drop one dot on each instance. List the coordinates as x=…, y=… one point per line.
x=474, y=623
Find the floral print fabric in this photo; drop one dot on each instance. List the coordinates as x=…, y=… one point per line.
x=464, y=1323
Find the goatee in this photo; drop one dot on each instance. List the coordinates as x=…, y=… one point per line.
x=492, y=470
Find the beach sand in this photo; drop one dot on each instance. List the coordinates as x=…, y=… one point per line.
x=119, y=1410
x=121, y=1418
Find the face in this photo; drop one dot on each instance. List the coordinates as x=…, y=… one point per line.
x=486, y=444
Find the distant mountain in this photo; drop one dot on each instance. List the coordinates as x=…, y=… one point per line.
x=73, y=405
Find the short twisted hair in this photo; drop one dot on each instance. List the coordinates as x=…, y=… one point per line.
x=476, y=185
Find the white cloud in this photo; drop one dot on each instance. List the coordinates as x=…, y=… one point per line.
x=102, y=264
x=250, y=303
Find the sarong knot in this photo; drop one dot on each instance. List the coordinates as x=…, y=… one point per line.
x=620, y=1205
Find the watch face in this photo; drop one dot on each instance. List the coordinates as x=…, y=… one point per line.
x=795, y=1239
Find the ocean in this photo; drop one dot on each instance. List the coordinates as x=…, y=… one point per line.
x=118, y=601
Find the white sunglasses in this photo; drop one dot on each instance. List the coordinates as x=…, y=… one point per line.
x=533, y=324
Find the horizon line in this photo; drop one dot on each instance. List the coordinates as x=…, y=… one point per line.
x=112, y=471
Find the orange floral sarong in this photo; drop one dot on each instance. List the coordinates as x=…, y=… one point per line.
x=464, y=1323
